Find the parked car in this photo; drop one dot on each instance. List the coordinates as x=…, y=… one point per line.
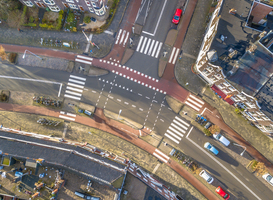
x=222, y=193
x=207, y=125
x=268, y=178
x=205, y=175
x=211, y=148
x=221, y=139
x=177, y=16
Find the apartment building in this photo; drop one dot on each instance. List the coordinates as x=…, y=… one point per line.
x=245, y=75
x=93, y=6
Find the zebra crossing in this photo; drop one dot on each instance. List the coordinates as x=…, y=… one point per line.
x=122, y=38
x=194, y=102
x=84, y=59
x=174, y=55
x=149, y=47
x=75, y=87
x=177, y=129
x=67, y=116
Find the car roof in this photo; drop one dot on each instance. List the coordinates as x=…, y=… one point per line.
x=220, y=191
x=178, y=11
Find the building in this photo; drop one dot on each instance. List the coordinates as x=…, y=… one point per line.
x=93, y=6
x=246, y=58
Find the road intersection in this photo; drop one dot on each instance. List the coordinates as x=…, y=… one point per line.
x=136, y=89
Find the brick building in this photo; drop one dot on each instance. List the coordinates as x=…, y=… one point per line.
x=93, y=6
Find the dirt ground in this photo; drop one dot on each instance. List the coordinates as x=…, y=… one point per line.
x=175, y=105
x=28, y=123
x=77, y=183
x=136, y=189
x=22, y=98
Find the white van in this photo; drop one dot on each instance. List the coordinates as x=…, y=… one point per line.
x=221, y=139
x=205, y=175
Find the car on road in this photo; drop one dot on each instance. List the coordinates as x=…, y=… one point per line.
x=222, y=193
x=211, y=148
x=221, y=139
x=177, y=16
x=268, y=178
x=205, y=175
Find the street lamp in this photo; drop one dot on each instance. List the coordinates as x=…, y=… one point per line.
x=242, y=147
x=31, y=53
x=119, y=113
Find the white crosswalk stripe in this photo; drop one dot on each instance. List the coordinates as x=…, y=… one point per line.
x=149, y=46
x=194, y=102
x=69, y=116
x=174, y=55
x=177, y=129
x=75, y=87
x=84, y=59
x=122, y=37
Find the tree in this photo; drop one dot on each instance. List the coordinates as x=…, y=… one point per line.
x=207, y=132
x=214, y=128
x=3, y=54
x=260, y=168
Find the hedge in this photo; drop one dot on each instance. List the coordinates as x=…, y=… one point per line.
x=59, y=20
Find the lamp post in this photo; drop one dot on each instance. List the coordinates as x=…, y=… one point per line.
x=31, y=53
x=242, y=147
x=119, y=113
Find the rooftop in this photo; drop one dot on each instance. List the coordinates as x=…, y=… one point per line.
x=232, y=27
x=254, y=70
x=65, y=158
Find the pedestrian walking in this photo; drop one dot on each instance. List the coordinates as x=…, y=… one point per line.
x=19, y=30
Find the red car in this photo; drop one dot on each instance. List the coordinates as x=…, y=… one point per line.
x=177, y=16
x=222, y=193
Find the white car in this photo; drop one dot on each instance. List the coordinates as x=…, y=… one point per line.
x=205, y=175
x=268, y=178
x=221, y=139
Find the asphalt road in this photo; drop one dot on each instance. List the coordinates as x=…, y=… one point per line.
x=142, y=104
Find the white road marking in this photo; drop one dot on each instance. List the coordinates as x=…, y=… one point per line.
x=144, y=42
x=176, y=54
x=83, y=61
x=72, y=97
x=156, y=44
x=171, y=138
x=151, y=48
x=215, y=160
x=171, y=57
x=194, y=107
x=75, y=85
x=83, y=57
x=74, y=93
x=196, y=99
x=69, y=118
x=74, y=89
x=75, y=81
x=160, y=158
x=158, y=50
x=147, y=46
x=139, y=44
x=181, y=121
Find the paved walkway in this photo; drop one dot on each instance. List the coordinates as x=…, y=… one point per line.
x=118, y=129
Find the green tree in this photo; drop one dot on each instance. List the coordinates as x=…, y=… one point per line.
x=86, y=19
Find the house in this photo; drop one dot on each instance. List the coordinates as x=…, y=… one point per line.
x=246, y=59
x=93, y=6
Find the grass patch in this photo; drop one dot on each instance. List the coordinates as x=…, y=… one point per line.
x=174, y=104
x=28, y=123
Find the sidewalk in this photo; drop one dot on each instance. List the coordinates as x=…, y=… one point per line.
x=118, y=129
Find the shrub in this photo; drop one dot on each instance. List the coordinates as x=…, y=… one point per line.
x=260, y=168
x=207, y=132
x=44, y=21
x=3, y=54
x=237, y=111
x=23, y=16
x=31, y=19
x=4, y=97
x=70, y=17
x=59, y=20
x=86, y=19
x=30, y=24
x=74, y=29
x=43, y=25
